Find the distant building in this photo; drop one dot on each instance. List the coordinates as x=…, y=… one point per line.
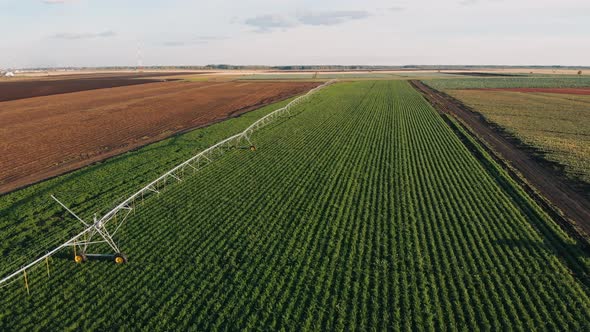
x=9, y=74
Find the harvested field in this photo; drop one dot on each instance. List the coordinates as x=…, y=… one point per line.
x=548, y=81
x=47, y=136
x=579, y=91
x=555, y=127
x=21, y=89
x=483, y=74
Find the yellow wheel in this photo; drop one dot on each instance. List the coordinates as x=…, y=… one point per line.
x=120, y=258
x=80, y=259
x=252, y=148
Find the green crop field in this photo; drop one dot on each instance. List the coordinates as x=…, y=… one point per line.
x=557, y=125
x=364, y=211
x=31, y=222
x=537, y=81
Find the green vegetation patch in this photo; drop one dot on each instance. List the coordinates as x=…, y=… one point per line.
x=362, y=211
x=540, y=81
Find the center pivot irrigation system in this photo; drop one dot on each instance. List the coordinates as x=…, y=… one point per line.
x=118, y=215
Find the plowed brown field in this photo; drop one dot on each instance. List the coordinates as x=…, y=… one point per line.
x=46, y=136
x=28, y=88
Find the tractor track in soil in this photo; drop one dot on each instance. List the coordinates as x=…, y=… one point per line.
x=565, y=204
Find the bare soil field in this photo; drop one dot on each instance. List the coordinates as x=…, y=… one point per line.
x=567, y=91
x=57, y=84
x=47, y=136
x=552, y=185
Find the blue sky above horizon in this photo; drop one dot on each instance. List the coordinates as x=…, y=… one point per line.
x=54, y=33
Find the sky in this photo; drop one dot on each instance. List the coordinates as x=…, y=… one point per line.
x=59, y=33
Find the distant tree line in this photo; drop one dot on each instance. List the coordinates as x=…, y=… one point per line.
x=314, y=67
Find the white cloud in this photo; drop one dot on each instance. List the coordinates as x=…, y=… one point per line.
x=330, y=17
x=269, y=22
x=198, y=40
x=84, y=35
x=56, y=2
